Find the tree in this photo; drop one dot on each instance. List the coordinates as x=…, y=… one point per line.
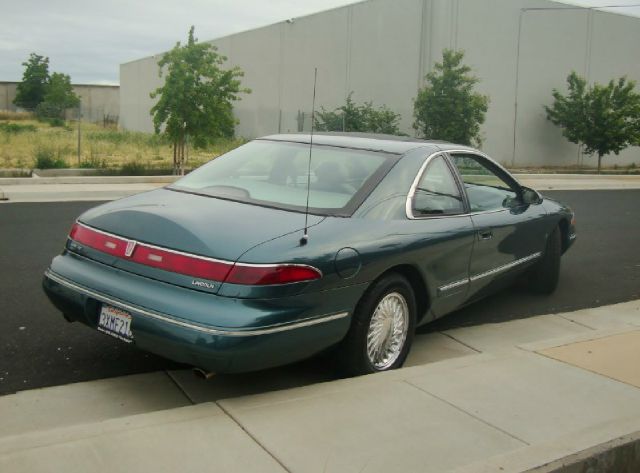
x=361, y=118
x=602, y=119
x=30, y=92
x=59, y=96
x=196, y=99
x=447, y=108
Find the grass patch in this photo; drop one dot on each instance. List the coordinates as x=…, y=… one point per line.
x=107, y=149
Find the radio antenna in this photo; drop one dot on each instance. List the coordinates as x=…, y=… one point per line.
x=305, y=236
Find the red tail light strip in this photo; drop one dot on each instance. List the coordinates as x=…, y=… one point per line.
x=98, y=240
x=191, y=265
x=251, y=274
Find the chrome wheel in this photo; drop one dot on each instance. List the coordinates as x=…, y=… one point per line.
x=387, y=331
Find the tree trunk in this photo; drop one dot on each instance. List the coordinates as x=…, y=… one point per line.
x=175, y=162
x=178, y=157
x=599, y=162
x=182, y=156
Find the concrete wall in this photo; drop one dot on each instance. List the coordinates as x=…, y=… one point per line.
x=7, y=94
x=97, y=101
x=382, y=49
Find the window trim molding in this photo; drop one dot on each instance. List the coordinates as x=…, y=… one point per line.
x=446, y=153
x=456, y=183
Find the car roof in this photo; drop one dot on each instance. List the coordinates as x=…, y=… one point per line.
x=367, y=141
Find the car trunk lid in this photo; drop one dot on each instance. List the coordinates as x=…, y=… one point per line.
x=202, y=226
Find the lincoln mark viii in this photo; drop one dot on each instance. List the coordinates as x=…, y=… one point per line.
x=279, y=250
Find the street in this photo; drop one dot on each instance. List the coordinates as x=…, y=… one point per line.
x=38, y=348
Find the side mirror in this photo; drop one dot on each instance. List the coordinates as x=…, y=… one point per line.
x=530, y=196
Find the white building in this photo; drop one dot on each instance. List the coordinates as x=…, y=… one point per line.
x=382, y=49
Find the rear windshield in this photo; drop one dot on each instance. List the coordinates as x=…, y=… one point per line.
x=274, y=173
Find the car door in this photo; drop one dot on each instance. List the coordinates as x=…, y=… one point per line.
x=437, y=209
x=509, y=235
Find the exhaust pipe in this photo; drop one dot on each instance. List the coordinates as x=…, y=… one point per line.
x=202, y=374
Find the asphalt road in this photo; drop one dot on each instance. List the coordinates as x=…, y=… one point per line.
x=38, y=348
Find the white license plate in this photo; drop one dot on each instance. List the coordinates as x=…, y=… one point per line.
x=115, y=322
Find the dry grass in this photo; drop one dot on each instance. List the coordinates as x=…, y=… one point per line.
x=101, y=147
x=15, y=116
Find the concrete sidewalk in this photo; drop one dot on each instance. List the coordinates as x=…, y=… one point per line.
x=50, y=189
x=552, y=393
x=77, y=188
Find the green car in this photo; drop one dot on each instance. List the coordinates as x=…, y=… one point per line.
x=279, y=250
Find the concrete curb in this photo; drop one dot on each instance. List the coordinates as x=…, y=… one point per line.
x=13, y=181
x=38, y=179
x=579, y=177
x=621, y=455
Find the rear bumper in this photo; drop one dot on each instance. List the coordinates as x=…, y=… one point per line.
x=156, y=328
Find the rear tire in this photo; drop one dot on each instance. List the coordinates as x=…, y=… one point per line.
x=544, y=276
x=382, y=328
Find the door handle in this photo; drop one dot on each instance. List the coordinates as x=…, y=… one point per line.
x=486, y=234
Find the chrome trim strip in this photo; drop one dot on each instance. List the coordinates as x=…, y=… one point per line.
x=453, y=285
x=412, y=190
x=212, y=331
x=505, y=267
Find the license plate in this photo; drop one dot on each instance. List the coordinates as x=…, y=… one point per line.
x=115, y=322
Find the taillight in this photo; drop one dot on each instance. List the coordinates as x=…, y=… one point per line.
x=97, y=240
x=191, y=265
x=181, y=263
x=271, y=274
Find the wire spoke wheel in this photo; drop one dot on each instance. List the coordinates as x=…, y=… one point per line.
x=387, y=331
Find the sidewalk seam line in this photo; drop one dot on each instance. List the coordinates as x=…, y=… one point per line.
x=252, y=437
x=576, y=322
x=180, y=388
x=460, y=342
x=468, y=413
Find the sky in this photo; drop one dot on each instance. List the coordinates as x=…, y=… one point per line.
x=89, y=39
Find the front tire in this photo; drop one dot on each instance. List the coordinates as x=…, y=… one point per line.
x=544, y=276
x=382, y=329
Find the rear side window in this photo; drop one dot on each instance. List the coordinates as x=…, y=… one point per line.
x=486, y=189
x=437, y=192
x=275, y=173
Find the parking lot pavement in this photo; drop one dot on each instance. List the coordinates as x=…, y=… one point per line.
x=512, y=403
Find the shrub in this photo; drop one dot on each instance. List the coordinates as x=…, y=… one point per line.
x=16, y=128
x=362, y=118
x=46, y=111
x=139, y=168
x=133, y=168
x=57, y=122
x=93, y=163
x=46, y=158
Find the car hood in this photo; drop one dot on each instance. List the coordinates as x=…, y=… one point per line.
x=201, y=225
